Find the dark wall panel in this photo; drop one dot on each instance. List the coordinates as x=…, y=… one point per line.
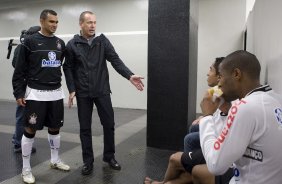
x=172, y=71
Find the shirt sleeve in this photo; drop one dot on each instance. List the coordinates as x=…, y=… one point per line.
x=222, y=151
x=68, y=67
x=16, y=55
x=63, y=50
x=20, y=73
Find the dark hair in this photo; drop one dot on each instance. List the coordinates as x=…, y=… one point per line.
x=244, y=61
x=45, y=13
x=81, y=17
x=216, y=63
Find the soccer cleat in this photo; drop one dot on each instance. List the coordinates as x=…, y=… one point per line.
x=60, y=166
x=27, y=176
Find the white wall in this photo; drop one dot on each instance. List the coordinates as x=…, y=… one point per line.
x=221, y=26
x=249, y=6
x=265, y=40
x=113, y=18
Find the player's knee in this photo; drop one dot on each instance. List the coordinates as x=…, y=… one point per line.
x=30, y=131
x=175, y=158
x=53, y=131
x=29, y=134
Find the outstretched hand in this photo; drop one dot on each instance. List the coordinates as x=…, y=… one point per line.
x=71, y=97
x=137, y=82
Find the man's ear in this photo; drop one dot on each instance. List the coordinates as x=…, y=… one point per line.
x=41, y=22
x=237, y=73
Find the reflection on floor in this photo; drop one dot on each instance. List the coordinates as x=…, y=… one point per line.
x=136, y=159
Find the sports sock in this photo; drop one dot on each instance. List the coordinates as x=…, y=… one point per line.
x=54, y=141
x=26, y=150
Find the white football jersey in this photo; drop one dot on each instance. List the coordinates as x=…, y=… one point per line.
x=250, y=139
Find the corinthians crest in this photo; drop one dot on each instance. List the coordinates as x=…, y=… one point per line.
x=32, y=119
x=59, y=45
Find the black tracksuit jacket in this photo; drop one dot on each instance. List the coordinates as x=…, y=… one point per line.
x=85, y=66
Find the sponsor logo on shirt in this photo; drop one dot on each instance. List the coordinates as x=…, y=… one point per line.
x=253, y=154
x=230, y=119
x=52, y=62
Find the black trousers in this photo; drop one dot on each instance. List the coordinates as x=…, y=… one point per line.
x=106, y=115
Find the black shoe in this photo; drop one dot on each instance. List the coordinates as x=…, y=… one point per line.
x=113, y=164
x=18, y=149
x=87, y=169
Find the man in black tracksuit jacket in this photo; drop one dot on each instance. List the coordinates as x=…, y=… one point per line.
x=87, y=78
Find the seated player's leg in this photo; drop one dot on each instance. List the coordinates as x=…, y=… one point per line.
x=175, y=167
x=201, y=175
x=192, y=141
x=191, y=159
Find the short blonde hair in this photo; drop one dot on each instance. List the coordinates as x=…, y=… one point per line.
x=82, y=15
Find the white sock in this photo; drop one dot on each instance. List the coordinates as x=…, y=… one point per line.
x=26, y=150
x=54, y=141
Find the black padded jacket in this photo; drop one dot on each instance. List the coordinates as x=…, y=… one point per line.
x=85, y=66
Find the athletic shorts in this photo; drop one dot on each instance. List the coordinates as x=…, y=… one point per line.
x=191, y=159
x=44, y=113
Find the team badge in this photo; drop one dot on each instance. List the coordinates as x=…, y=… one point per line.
x=59, y=45
x=32, y=119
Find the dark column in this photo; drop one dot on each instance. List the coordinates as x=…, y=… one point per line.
x=172, y=71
